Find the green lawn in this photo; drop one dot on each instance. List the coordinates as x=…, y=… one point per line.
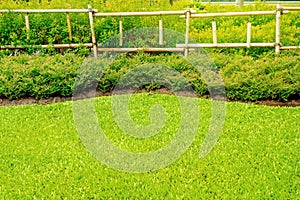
x=256, y=157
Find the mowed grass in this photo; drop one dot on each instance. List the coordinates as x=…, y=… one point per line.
x=257, y=155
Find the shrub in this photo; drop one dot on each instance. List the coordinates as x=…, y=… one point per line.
x=269, y=76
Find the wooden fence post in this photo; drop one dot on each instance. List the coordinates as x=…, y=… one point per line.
x=27, y=25
x=239, y=3
x=94, y=41
x=214, y=32
x=161, y=40
x=187, y=30
x=69, y=26
x=120, y=33
x=277, y=39
x=249, y=35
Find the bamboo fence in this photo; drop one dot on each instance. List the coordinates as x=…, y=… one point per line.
x=277, y=44
x=184, y=48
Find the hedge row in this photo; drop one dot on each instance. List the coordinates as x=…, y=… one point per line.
x=268, y=77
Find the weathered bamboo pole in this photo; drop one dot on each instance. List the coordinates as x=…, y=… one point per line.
x=249, y=35
x=131, y=14
x=100, y=49
x=69, y=26
x=232, y=14
x=214, y=32
x=120, y=33
x=239, y=3
x=247, y=2
x=46, y=46
x=291, y=8
x=27, y=25
x=187, y=30
x=49, y=11
x=225, y=45
x=289, y=47
x=277, y=37
x=160, y=25
x=94, y=41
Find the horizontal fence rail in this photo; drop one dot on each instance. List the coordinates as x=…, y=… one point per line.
x=50, y=11
x=226, y=45
x=177, y=49
x=234, y=14
x=140, y=14
x=184, y=48
x=46, y=46
x=291, y=8
x=249, y=2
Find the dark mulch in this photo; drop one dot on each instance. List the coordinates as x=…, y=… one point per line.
x=31, y=100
